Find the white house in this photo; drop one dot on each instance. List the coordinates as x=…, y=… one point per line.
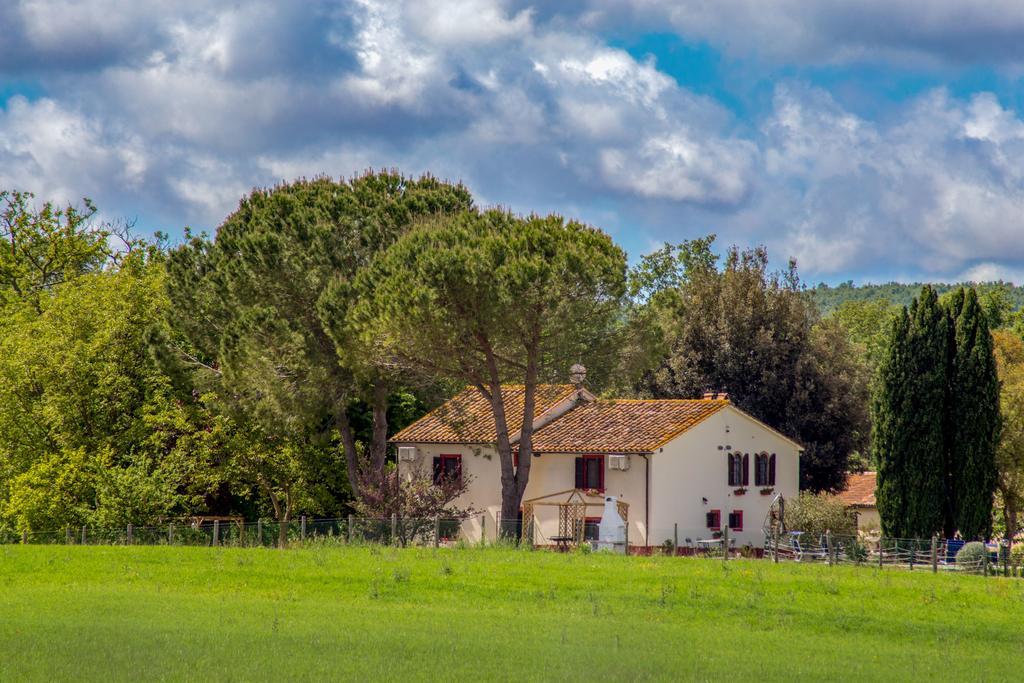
x=685, y=468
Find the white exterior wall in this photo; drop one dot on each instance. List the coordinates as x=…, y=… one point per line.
x=694, y=466
x=550, y=473
x=868, y=519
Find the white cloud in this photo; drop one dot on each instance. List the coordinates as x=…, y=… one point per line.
x=176, y=113
x=932, y=190
x=469, y=22
x=835, y=31
x=62, y=155
x=681, y=168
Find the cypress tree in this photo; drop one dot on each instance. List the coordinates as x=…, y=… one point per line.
x=975, y=421
x=911, y=423
x=888, y=432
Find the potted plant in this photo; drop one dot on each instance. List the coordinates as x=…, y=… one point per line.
x=740, y=491
x=767, y=491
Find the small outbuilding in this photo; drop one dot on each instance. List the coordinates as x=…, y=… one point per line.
x=859, y=496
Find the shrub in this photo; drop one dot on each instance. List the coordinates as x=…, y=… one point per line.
x=1017, y=554
x=814, y=513
x=973, y=557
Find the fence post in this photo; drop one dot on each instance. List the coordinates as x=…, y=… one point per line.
x=83, y=534
x=879, y=552
x=626, y=536
x=67, y=534
x=302, y=526
x=911, y=554
x=935, y=553
x=775, y=545
x=483, y=528
x=437, y=530
x=725, y=543
x=828, y=545
x=170, y=533
x=129, y=534
x=24, y=537
x=394, y=528
x=350, y=528
x=216, y=531
x=675, y=538
x=259, y=530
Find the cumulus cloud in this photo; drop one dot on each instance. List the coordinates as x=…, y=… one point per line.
x=935, y=188
x=835, y=31
x=175, y=113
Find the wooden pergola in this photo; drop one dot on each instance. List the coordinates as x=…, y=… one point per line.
x=572, y=513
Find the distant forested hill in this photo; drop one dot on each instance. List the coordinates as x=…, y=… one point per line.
x=829, y=298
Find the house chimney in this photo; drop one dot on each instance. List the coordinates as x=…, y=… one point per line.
x=577, y=375
x=716, y=395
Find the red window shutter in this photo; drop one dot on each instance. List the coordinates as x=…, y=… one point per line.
x=437, y=470
x=714, y=520
x=736, y=520
x=515, y=459
x=771, y=470
x=731, y=471
x=580, y=479
x=458, y=468
x=600, y=477
x=746, y=468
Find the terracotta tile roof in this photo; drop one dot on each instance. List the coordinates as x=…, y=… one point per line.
x=467, y=417
x=623, y=426
x=860, y=490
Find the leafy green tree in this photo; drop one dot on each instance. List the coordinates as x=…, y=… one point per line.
x=248, y=320
x=487, y=298
x=974, y=425
x=867, y=324
x=742, y=329
x=86, y=416
x=1009, y=351
x=45, y=247
x=909, y=422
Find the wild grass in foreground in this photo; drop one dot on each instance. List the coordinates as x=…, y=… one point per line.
x=178, y=613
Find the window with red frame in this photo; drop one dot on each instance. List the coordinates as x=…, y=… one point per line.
x=590, y=472
x=714, y=519
x=736, y=520
x=447, y=467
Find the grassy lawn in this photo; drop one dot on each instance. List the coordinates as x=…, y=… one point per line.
x=157, y=613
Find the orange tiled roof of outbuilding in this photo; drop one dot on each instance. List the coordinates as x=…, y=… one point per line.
x=860, y=490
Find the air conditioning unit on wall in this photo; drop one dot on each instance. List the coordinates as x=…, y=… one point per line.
x=618, y=462
x=406, y=453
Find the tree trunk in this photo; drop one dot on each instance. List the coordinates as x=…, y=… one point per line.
x=513, y=482
x=379, y=445
x=1010, y=515
x=348, y=446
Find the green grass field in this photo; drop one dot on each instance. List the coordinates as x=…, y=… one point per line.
x=158, y=613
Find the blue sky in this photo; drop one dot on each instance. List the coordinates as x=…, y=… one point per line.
x=871, y=140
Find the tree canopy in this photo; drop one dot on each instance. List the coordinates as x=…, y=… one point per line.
x=936, y=420
x=753, y=333
x=247, y=305
x=490, y=297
